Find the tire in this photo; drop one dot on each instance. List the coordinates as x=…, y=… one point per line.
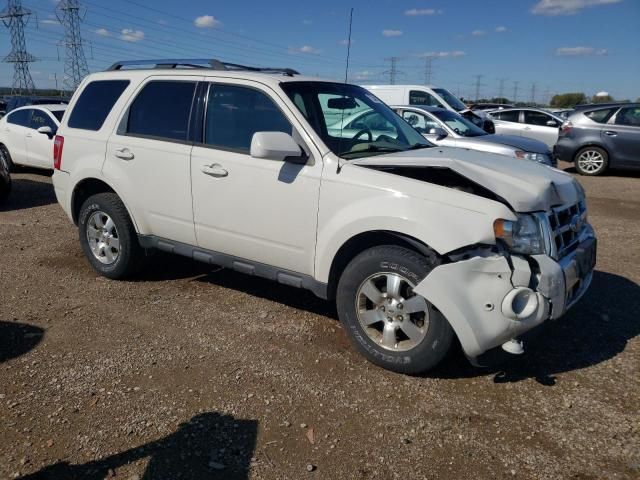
x=4, y=154
x=591, y=161
x=385, y=342
x=108, y=238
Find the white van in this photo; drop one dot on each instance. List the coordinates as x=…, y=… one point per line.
x=431, y=96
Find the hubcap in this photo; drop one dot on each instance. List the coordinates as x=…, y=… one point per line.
x=103, y=238
x=390, y=313
x=591, y=161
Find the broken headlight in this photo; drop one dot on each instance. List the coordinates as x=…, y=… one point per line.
x=522, y=236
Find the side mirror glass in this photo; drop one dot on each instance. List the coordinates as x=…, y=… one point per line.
x=276, y=146
x=438, y=132
x=552, y=123
x=46, y=131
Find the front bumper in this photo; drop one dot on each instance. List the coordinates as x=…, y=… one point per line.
x=490, y=300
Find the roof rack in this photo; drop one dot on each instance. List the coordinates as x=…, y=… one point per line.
x=206, y=63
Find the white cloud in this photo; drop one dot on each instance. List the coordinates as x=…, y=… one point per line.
x=207, y=21
x=345, y=42
x=391, y=33
x=579, y=51
x=49, y=21
x=103, y=32
x=566, y=7
x=129, y=35
x=307, y=22
x=501, y=29
x=453, y=54
x=363, y=75
x=478, y=33
x=163, y=22
x=418, y=12
x=304, y=49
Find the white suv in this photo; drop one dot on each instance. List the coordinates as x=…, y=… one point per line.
x=235, y=166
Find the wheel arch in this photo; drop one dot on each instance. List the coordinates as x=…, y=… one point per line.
x=592, y=143
x=365, y=240
x=91, y=186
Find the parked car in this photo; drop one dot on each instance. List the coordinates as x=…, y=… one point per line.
x=26, y=135
x=18, y=101
x=433, y=97
x=600, y=137
x=447, y=128
x=489, y=106
x=414, y=243
x=528, y=122
x=3, y=108
x=5, y=179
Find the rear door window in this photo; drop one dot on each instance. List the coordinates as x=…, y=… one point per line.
x=162, y=110
x=41, y=119
x=602, y=115
x=235, y=113
x=416, y=97
x=95, y=103
x=508, y=116
x=629, y=116
x=20, y=117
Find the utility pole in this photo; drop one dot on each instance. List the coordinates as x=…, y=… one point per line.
x=15, y=18
x=478, y=85
x=393, y=71
x=533, y=93
x=428, y=69
x=501, y=89
x=75, y=63
x=515, y=91
x=546, y=98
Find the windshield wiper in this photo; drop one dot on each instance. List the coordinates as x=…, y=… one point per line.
x=373, y=148
x=417, y=146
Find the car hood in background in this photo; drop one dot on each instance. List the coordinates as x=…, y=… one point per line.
x=527, y=186
x=521, y=143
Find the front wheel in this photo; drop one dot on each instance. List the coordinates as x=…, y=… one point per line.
x=107, y=236
x=386, y=320
x=5, y=157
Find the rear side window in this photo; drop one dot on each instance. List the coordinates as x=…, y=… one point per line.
x=41, y=119
x=508, y=116
x=162, y=110
x=537, y=118
x=21, y=117
x=234, y=114
x=95, y=103
x=601, y=116
x=629, y=116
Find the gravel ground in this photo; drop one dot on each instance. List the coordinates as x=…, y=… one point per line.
x=192, y=373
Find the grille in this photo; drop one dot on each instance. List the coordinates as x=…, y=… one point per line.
x=564, y=233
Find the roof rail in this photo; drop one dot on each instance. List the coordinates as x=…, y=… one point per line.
x=207, y=63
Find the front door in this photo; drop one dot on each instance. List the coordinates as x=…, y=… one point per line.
x=540, y=126
x=39, y=145
x=623, y=137
x=257, y=209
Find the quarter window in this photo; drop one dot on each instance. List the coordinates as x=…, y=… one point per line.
x=95, y=103
x=20, y=117
x=162, y=110
x=508, y=116
x=235, y=113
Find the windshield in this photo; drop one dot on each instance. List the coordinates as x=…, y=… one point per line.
x=459, y=124
x=351, y=121
x=451, y=99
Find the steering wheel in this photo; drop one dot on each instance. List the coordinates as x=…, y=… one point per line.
x=457, y=131
x=362, y=132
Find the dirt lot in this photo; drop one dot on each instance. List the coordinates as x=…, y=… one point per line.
x=189, y=373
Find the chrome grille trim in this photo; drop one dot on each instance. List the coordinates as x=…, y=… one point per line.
x=559, y=236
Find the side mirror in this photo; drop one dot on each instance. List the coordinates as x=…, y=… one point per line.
x=46, y=131
x=276, y=146
x=438, y=132
x=552, y=123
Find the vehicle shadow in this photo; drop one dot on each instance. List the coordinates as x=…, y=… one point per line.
x=17, y=339
x=209, y=446
x=595, y=330
x=29, y=193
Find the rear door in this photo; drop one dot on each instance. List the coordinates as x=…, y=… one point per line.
x=15, y=135
x=507, y=122
x=540, y=126
x=622, y=137
x=149, y=156
x=39, y=145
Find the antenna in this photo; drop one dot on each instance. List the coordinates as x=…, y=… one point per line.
x=346, y=75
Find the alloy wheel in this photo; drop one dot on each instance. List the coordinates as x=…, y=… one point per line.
x=103, y=239
x=591, y=161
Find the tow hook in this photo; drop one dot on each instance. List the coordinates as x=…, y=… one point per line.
x=513, y=346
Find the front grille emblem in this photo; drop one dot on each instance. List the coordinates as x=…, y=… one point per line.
x=575, y=224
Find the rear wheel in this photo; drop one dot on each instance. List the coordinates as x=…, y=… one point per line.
x=387, y=321
x=108, y=238
x=591, y=161
x=5, y=157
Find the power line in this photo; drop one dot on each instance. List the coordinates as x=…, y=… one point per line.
x=15, y=19
x=75, y=64
x=478, y=84
x=533, y=93
x=515, y=91
x=428, y=61
x=393, y=71
x=501, y=88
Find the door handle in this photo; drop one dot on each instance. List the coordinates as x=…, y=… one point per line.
x=29, y=135
x=609, y=133
x=124, y=154
x=214, y=170
x=527, y=128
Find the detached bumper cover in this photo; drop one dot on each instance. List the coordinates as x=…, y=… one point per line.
x=472, y=294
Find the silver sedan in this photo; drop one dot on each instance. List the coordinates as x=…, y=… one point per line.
x=450, y=129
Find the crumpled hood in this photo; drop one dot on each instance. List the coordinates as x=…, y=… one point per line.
x=521, y=143
x=527, y=186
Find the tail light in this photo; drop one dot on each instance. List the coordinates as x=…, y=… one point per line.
x=58, y=143
x=565, y=128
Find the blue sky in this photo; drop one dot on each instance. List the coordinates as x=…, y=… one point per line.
x=560, y=45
